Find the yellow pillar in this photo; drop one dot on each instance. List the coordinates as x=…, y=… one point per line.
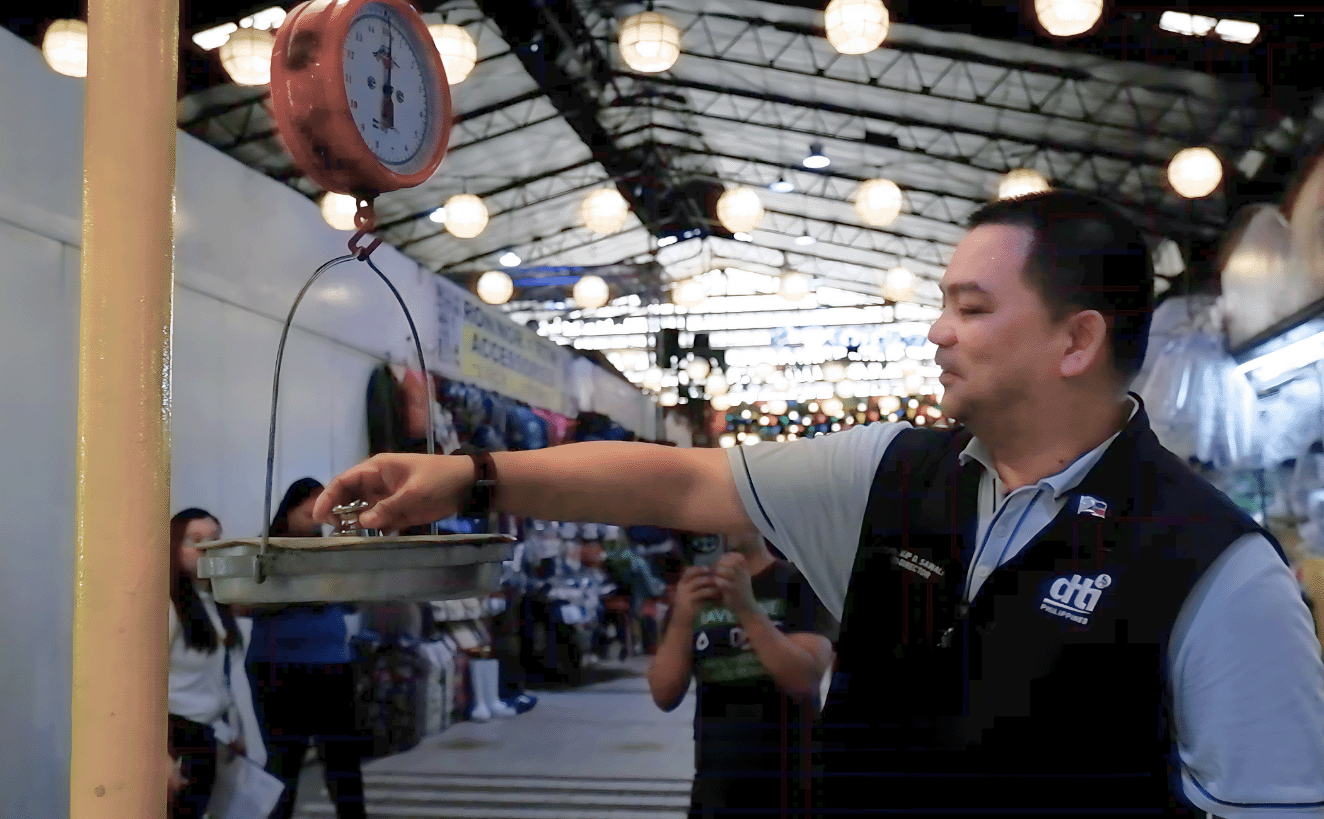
x=120, y=592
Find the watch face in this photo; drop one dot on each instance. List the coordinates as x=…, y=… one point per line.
x=390, y=86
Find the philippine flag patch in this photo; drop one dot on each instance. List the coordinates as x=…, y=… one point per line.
x=1090, y=505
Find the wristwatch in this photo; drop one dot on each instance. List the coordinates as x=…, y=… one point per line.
x=478, y=500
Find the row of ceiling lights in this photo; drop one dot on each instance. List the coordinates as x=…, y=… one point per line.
x=246, y=47
x=649, y=42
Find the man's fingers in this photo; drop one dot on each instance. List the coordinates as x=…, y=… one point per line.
x=363, y=482
x=382, y=515
x=342, y=489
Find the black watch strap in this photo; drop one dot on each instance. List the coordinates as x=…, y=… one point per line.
x=478, y=500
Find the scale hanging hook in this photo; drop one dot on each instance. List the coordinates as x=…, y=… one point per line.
x=365, y=219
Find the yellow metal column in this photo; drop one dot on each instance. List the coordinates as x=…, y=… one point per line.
x=120, y=593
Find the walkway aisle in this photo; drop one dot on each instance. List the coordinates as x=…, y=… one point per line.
x=601, y=751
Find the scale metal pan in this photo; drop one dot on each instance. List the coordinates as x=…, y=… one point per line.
x=346, y=569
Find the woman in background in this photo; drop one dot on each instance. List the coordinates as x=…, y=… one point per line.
x=205, y=646
x=299, y=659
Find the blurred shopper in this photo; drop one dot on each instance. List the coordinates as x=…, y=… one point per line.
x=299, y=660
x=757, y=640
x=205, y=648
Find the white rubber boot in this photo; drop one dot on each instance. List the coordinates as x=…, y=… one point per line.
x=491, y=682
x=478, y=688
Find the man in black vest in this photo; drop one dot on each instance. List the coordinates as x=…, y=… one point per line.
x=1043, y=611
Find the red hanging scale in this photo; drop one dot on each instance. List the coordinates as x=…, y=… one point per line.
x=361, y=100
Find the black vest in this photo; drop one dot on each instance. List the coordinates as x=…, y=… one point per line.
x=1048, y=694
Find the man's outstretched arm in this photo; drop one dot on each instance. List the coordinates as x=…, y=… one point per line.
x=625, y=484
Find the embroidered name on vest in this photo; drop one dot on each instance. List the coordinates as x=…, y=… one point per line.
x=914, y=563
x=1074, y=598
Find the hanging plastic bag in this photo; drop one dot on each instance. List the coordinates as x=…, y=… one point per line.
x=1199, y=405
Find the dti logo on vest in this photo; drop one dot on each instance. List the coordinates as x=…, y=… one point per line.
x=1074, y=599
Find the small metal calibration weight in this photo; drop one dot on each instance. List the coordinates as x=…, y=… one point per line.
x=338, y=118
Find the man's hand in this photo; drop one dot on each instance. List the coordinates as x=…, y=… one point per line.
x=176, y=782
x=401, y=490
x=732, y=576
x=696, y=587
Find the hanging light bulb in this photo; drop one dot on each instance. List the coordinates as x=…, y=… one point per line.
x=495, y=287
x=739, y=210
x=717, y=384
x=727, y=441
x=466, y=215
x=246, y=56
x=652, y=379
x=794, y=285
x=833, y=408
x=1068, y=18
x=721, y=403
x=338, y=210
x=698, y=369
x=878, y=202
x=649, y=42
x=459, y=52
x=855, y=26
x=899, y=285
x=591, y=292
x=1195, y=172
x=889, y=404
x=816, y=159
x=670, y=398
x=690, y=293
x=1022, y=182
x=845, y=388
x=834, y=371
x=604, y=211
x=65, y=47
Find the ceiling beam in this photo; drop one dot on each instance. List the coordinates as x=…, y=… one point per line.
x=507, y=186
x=1145, y=213
x=521, y=26
x=853, y=179
x=1066, y=80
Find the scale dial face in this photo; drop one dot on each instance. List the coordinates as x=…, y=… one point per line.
x=360, y=95
x=387, y=82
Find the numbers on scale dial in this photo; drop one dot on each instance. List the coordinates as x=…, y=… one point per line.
x=386, y=85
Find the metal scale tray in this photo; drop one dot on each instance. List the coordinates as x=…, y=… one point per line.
x=347, y=569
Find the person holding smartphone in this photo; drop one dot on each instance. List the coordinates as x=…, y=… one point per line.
x=757, y=640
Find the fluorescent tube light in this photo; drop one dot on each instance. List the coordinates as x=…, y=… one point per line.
x=1237, y=31
x=1286, y=359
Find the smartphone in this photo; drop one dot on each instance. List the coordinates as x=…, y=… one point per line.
x=706, y=550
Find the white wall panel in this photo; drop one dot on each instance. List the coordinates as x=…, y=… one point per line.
x=38, y=358
x=197, y=415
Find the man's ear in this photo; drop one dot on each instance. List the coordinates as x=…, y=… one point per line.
x=1087, y=342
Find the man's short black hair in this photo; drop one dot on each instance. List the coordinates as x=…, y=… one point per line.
x=1086, y=255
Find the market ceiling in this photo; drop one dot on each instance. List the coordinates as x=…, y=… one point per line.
x=959, y=94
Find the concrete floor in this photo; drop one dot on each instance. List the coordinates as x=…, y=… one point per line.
x=599, y=750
